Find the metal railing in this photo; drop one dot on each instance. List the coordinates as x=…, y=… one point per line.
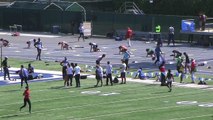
x=130, y=7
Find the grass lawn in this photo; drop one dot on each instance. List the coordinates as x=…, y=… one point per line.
x=132, y=101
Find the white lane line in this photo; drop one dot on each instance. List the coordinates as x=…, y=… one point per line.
x=31, y=35
x=210, y=115
x=128, y=112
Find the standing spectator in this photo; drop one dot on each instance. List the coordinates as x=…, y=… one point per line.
x=5, y=68
x=179, y=61
x=202, y=21
x=72, y=27
x=30, y=70
x=123, y=72
x=193, y=70
x=169, y=78
x=158, y=53
x=81, y=31
x=99, y=75
x=64, y=64
x=162, y=69
x=99, y=59
x=23, y=75
x=72, y=65
x=157, y=36
x=109, y=73
x=77, y=72
x=129, y=36
x=39, y=47
x=181, y=71
x=190, y=38
x=126, y=57
x=26, y=95
x=171, y=35
x=187, y=62
x=69, y=75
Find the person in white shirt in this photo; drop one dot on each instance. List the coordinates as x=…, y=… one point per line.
x=99, y=75
x=77, y=72
x=109, y=73
x=39, y=47
x=69, y=75
x=81, y=30
x=123, y=72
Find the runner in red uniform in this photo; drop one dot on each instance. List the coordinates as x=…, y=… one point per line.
x=26, y=95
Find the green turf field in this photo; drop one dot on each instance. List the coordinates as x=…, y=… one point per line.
x=132, y=101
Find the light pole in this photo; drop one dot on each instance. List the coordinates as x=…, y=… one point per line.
x=1, y=45
x=153, y=19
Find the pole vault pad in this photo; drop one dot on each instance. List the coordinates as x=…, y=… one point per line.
x=39, y=76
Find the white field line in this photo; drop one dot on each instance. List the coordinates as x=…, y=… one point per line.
x=31, y=35
x=81, y=95
x=210, y=115
x=127, y=112
x=106, y=103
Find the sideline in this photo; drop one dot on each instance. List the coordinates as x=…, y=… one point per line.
x=58, y=76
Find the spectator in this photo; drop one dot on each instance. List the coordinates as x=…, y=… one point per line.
x=181, y=71
x=99, y=75
x=171, y=35
x=109, y=73
x=187, y=62
x=193, y=70
x=30, y=70
x=126, y=57
x=123, y=72
x=202, y=21
x=81, y=31
x=39, y=47
x=77, y=72
x=5, y=68
x=158, y=53
x=169, y=78
x=69, y=75
x=129, y=36
x=64, y=64
x=23, y=75
x=162, y=69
